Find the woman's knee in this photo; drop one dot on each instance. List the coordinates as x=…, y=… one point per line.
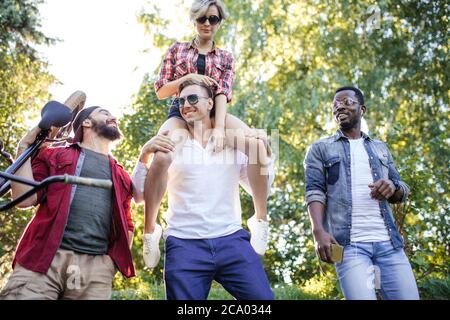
x=234, y=123
x=258, y=150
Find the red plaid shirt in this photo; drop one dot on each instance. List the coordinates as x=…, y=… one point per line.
x=42, y=237
x=181, y=59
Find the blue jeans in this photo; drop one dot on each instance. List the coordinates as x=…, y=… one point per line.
x=376, y=265
x=192, y=264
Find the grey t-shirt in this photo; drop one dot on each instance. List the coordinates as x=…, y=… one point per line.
x=90, y=214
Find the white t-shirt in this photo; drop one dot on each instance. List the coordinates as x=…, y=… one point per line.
x=367, y=223
x=203, y=190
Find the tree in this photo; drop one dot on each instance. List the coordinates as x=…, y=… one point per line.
x=24, y=80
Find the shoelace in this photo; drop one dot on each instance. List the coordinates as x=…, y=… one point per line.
x=264, y=234
x=147, y=245
x=262, y=231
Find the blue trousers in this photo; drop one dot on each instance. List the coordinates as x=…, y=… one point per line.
x=192, y=264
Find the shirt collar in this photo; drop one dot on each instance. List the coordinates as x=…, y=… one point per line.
x=339, y=134
x=193, y=44
x=77, y=145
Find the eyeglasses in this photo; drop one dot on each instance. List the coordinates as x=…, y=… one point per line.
x=348, y=102
x=213, y=20
x=192, y=99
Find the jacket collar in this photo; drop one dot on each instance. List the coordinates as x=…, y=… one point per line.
x=339, y=135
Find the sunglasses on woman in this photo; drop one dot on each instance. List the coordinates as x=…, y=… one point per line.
x=213, y=20
x=192, y=99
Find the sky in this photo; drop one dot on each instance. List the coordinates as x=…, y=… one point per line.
x=101, y=51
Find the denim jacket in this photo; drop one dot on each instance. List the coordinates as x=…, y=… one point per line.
x=328, y=180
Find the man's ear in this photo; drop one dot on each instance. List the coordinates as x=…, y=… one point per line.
x=210, y=104
x=363, y=110
x=87, y=123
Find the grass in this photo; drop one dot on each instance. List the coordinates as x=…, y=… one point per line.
x=156, y=291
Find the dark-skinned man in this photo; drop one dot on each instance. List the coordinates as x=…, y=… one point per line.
x=350, y=181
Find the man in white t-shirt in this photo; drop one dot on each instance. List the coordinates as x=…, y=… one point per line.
x=350, y=181
x=204, y=237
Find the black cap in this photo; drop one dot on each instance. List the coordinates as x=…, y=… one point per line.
x=76, y=125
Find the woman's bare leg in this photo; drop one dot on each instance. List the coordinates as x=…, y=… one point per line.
x=237, y=134
x=157, y=176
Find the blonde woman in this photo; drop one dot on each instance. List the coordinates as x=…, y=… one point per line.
x=201, y=60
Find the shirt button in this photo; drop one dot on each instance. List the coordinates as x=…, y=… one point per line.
x=375, y=174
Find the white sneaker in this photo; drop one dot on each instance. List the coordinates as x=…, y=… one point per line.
x=259, y=230
x=152, y=254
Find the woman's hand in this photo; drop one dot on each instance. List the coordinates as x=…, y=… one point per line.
x=218, y=139
x=210, y=82
x=160, y=142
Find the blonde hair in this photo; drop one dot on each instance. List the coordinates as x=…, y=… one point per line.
x=199, y=8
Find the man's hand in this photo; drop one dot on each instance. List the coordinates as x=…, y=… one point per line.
x=27, y=140
x=323, y=241
x=160, y=142
x=382, y=190
x=218, y=139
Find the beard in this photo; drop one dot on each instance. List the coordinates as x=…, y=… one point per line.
x=106, y=131
x=353, y=123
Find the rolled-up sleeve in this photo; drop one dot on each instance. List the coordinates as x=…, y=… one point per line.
x=167, y=70
x=227, y=78
x=138, y=179
x=41, y=169
x=315, y=176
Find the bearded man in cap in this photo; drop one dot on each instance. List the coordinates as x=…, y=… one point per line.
x=80, y=236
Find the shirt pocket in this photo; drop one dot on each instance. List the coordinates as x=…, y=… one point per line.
x=59, y=168
x=332, y=167
x=181, y=69
x=217, y=71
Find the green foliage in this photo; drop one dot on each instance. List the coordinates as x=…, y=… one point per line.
x=19, y=27
x=24, y=83
x=316, y=289
x=435, y=289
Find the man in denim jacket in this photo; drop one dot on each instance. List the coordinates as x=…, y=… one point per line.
x=350, y=181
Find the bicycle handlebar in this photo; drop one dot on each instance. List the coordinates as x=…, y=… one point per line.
x=99, y=183
x=36, y=186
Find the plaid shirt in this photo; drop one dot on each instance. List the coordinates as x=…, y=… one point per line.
x=181, y=59
x=42, y=237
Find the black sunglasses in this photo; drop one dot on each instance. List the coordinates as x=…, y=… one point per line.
x=213, y=20
x=192, y=99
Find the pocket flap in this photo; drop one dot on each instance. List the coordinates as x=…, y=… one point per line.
x=384, y=160
x=330, y=162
